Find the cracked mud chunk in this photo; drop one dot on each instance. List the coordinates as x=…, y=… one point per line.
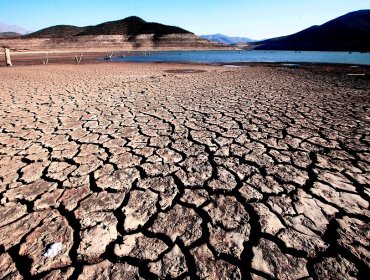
x=351, y=203
x=265, y=184
x=169, y=156
x=241, y=170
x=145, y=151
x=251, y=150
x=325, y=162
x=172, y=265
x=102, y=201
x=125, y=160
x=227, y=212
x=107, y=270
x=98, y=229
x=11, y=234
x=48, y=200
x=269, y=222
x=307, y=241
x=337, y=181
x=31, y=191
x=11, y=212
x=120, y=180
x=337, y=268
x=210, y=268
x=179, y=222
x=59, y=274
x=8, y=271
x=91, y=149
x=282, y=205
x=316, y=215
x=60, y=170
x=157, y=168
x=76, y=182
x=354, y=235
x=269, y=259
x=195, y=197
x=288, y=174
x=197, y=170
x=301, y=159
x=87, y=164
x=229, y=242
x=140, y=207
x=54, y=229
x=362, y=178
x=33, y=171
x=140, y=247
x=249, y=193
x=165, y=187
x=223, y=152
x=204, y=137
x=225, y=180
x=7, y=164
x=65, y=151
x=36, y=152
x=71, y=197
x=260, y=159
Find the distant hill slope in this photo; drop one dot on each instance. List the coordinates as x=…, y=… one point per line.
x=9, y=34
x=223, y=39
x=12, y=28
x=57, y=31
x=350, y=32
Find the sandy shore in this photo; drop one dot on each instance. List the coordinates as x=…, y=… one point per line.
x=57, y=57
x=155, y=171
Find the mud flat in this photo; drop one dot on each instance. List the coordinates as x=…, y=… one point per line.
x=146, y=171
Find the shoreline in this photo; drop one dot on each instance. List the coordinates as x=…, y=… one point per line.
x=349, y=69
x=97, y=57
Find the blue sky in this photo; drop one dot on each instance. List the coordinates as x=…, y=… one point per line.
x=256, y=19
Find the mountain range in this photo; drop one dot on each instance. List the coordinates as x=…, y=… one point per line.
x=350, y=32
x=128, y=33
x=7, y=28
x=9, y=34
x=224, y=39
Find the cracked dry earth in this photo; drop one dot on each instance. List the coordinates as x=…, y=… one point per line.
x=124, y=171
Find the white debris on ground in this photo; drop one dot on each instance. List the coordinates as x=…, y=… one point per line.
x=53, y=250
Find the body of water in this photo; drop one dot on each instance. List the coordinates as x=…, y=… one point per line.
x=354, y=58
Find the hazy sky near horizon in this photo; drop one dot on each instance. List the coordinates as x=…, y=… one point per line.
x=256, y=19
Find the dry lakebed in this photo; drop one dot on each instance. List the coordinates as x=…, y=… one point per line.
x=169, y=171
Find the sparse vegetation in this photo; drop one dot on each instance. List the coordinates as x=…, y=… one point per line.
x=78, y=58
x=46, y=61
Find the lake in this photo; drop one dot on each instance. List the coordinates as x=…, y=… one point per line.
x=232, y=56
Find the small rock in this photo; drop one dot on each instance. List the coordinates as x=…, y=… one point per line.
x=53, y=250
x=269, y=259
x=140, y=247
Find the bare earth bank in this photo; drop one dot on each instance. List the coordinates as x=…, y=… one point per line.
x=132, y=171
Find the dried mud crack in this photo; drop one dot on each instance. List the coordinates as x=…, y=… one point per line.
x=157, y=171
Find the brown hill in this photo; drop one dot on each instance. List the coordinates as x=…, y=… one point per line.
x=131, y=33
x=57, y=31
x=132, y=26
